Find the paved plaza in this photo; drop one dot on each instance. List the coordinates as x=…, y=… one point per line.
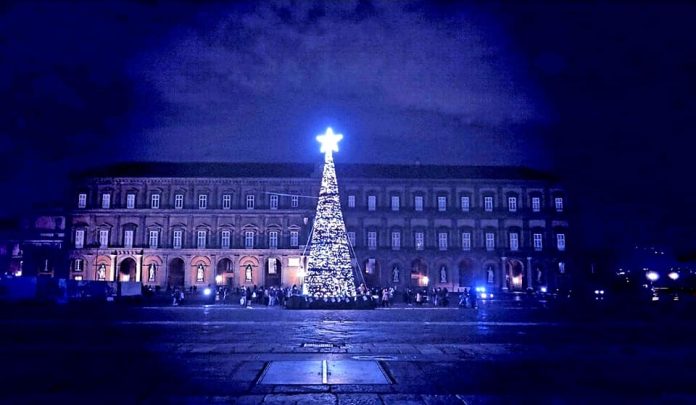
x=223, y=354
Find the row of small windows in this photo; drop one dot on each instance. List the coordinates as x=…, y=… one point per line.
x=489, y=240
x=226, y=201
x=250, y=239
x=464, y=203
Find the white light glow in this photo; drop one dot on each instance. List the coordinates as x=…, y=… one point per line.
x=218, y=279
x=425, y=280
x=207, y=291
x=543, y=289
x=329, y=141
x=481, y=289
x=673, y=275
x=652, y=276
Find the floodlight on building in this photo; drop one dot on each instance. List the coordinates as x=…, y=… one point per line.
x=652, y=276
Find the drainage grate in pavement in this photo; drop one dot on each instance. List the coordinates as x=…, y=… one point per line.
x=321, y=345
x=308, y=372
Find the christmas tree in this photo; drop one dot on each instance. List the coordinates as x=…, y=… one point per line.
x=329, y=270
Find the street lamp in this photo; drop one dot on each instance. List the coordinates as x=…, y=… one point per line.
x=652, y=276
x=673, y=275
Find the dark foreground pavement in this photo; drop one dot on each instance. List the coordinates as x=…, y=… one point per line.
x=110, y=354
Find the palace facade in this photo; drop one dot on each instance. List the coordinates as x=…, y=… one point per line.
x=170, y=224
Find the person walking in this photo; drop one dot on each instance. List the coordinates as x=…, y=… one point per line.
x=385, y=298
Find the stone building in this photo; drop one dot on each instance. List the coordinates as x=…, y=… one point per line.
x=168, y=224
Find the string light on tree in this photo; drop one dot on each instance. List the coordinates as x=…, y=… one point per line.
x=329, y=271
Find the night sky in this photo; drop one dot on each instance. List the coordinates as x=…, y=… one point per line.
x=601, y=94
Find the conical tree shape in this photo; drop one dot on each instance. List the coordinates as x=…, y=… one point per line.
x=329, y=271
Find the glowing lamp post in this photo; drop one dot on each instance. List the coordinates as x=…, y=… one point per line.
x=674, y=276
x=652, y=276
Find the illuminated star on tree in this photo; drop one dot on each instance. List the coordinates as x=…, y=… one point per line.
x=329, y=141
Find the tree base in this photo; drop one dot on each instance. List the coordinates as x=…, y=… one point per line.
x=303, y=302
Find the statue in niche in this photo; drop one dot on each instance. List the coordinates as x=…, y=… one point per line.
x=539, y=274
x=101, y=272
x=443, y=274
x=200, y=273
x=396, y=274
x=247, y=272
x=490, y=277
x=151, y=272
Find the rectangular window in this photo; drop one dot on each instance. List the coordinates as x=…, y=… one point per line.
x=560, y=241
x=225, y=239
x=488, y=204
x=512, y=204
x=273, y=240
x=202, y=201
x=106, y=200
x=442, y=240
x=103, y=238
x=490, y=240
x=514, y=241
x=82, y=200
x=179, y=201
x=226, y=201
x=249, y=239
x=250, y=201
x=395, y=203
x=466, y=240
x=201, y=239
x=351, y=201
x=79, y=238
x=78, y=265
x=465, y=203
x=538, y=242
x=442, y=203
x=396, y=240
x=351, y=238
x=371, y=202
x=295, y=201
x=372, y=240
x=420, y=240
x=155, y=201
x=130, y=201
x=294, y=239
x=418, y=203
x=293, y=262
x=274, y=201
x=128, y=238
x=177, y=239
x=559, y=204
x=154, y=239
x=536, y=204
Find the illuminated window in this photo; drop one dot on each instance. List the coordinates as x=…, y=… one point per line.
x=418, y=203
x=512, y=204
x=202, y=201
x=201, y=239
x=78, y=265
x=396, y=240
x=128, y=236
x=488, y=204
x=273, y=240
x=130, y=201
x=465, y=202
x=155, y=201
x=295, y=201
x=274, y=201
x=249, y=239
x=395, y=203
x=371, y=202
x=351, y=238
x=179, y=201
x=250, y=201
x=225, y=239
x=560, y=241
x=442, y=240
x=490, y=240
x=82, y=200
x=442, y=203
x=103, y=238
x=154, y=239
x=466, y=240
x=420, y=240
x=559, y=204
x=226, y=201
x=106, y=200
x=538, y=244
x=177, y=239
x=536, y=204
x=514, y=241
x=294, y=238
x=351, y=201
x=372, y=240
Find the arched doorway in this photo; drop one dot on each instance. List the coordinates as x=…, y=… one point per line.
x=224, y=274
x=176, y=273
x=466, y=273
x=514, y=275
x=127, y=270
x=273, y=268
x=419, y=274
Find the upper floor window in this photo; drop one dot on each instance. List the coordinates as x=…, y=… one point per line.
x=103, y=238
x=536, y=204
x=106, y=200
x=130, y=201
x=561, y=267
x=418, y=203
x=155, y=201
x=465, y=202
x=128, y=236
x=396, y=240
x=419, y=238
x=226, y=201
x=488, y=204
x=249, y=239
x=250, y=201
x=273, y=239
x=442, y=203
x=371, y=202
x=395, y=203
x=202, y=201
x=559, y=204
x=154, y=239
x=274, y=201
x=179, y=201
x=560, y=241
x=82, y=200
x=490, y=240
x=177, y=239
x=514, y=241
x=351, y=201
x=372, y=240
x=442, y=240
x=79, y=238
x=351, y=238
x=512, y=204
x=225, y=239
x=466, y=240
x=295, y=201
x=294, y=238
x=201, y=239
x=538, y=244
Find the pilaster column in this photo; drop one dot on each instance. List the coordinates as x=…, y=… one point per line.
x=114, y=272
x=530, y=283
x=503, y=274
x=138, y=267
